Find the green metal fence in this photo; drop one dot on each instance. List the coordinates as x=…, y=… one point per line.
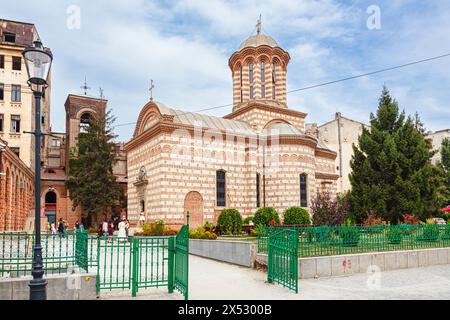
x=282, y=262
x=114, y=263
x=152, y=263
x=16, y=253
x=181, y=282
x=325, y=241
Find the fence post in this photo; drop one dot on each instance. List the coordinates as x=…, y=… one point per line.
x=134, y=276
x=171, y=272
x=97, y=282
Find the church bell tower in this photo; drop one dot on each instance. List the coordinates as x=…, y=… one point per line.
x=259, y=70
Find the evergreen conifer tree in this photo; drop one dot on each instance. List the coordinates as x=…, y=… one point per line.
x=91, y=182
x=392, y=173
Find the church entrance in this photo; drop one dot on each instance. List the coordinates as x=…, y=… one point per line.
x=50, y=206
x=194, y=204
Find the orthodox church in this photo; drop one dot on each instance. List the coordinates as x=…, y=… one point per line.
x=259, y=155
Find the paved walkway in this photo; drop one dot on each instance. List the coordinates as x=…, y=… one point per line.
x=211, y=280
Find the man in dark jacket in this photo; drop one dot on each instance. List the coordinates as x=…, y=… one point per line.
x=61, y=228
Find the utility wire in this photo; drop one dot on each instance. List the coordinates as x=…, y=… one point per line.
x=325, y=83
x=369, y=73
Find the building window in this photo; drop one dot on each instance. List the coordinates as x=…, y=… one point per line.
x=251, y=73
x=251, y=92
x=142, y=206
x=15, y=124
x=258, y=191
x=263, y=72
x=9, y=37
x=85, y=122
x=2, y=62
x=56, y=143
x=16, y=151
x=1, y=122
x=303, y=190
x=242, y=98
x=220, y=188
x=263, y=91
x=15, y=93
x=17, y=63
x=2, y=91
x=273, y=81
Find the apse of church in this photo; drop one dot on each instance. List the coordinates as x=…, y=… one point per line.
x=258, y=155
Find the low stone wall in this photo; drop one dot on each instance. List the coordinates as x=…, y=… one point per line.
x=234, y=252
x=61, y=287
x=333, y=266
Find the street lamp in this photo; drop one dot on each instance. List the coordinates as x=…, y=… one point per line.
x=38, y=62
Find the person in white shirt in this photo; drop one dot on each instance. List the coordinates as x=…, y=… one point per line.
x=105, y=229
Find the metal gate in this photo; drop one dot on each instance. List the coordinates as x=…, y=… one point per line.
x=139, y=263
x=283, y=259
x=182, y=262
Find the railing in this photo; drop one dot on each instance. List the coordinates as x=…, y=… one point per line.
x=16, y=253
x=120, y=263
x=325, y=241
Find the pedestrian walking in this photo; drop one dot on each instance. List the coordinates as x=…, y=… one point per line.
x=122, y=228
x=127, y=227
x=61, y=228
x=53, y=229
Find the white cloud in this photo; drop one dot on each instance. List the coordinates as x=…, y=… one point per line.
x=185, y=45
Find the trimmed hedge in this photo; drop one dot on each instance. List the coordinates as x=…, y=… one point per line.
x=264, y=217
x=230, y=222
x=296, y=216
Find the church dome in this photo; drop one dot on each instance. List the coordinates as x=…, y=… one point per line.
x=259, y=40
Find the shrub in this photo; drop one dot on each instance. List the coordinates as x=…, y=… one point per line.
x=92, y=230
x=266, y=216
x=296, y=216
x=446, y=216
x=208, y=226
x=373, y=220
x=329, y=212
x=155, y=229
x=230, y=222
x=200, y=233
x=254, y=232
x=248, y=220
x=410, y=219
x=350, y=236
x=318, y=234
x=394, y=235
x=430, y=233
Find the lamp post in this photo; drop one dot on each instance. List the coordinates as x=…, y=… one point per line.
x=38, y=62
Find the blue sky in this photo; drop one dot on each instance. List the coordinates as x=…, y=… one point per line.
x=184, y=47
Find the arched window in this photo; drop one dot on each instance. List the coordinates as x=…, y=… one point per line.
x=50, y=198
x=241, y=89
x=251, y=80
x=274, y=80
x=258, y=191
x=221, y=188
x=263, y=80
x=85, y=122
x=304, y=190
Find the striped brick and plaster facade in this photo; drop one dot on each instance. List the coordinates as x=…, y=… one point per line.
x=174, y=157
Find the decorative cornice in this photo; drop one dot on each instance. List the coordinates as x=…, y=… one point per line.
x=258, y=51
x=324, y=153
x=326, y=176
x=258, y=105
